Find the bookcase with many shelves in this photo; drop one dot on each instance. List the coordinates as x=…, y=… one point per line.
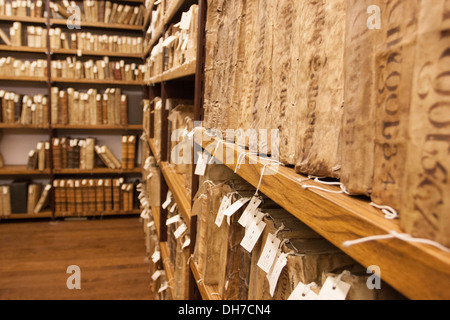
x=17, y=133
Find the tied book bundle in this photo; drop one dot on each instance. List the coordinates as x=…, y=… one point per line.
x=249, y=250
x=23, y=109
x=101, y=11
x=22, y=8
x=93, y=196
x=371, y=102
x=89, y=108
x=23, y=198
x=102, y=69
x=12, y=67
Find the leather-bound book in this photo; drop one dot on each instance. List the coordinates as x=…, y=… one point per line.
x=78, y=197
x=123, y=110
x=124, y=146
x=91, y=196
x=34, y=193
x=63, y=196
x=32, y=163
x=71, y=200
x=57, y=156
x=99, y=196
x=116, y=194
x=131, y=151
x=44, y=199
x=108, y=195
x=19, y=194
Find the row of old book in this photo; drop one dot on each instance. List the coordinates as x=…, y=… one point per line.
x=249, y=248
x=23, y=109
x=22, y=8
x=89, y=108
x=36, y=37
x=83, y=196
x=100, y=11
x=346, y=96
x=22, y=197
x=84, y=154
x=177, y=47
x=100, y=69
x=12, y=67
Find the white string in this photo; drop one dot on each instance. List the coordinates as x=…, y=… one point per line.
x=308, y=288
x=395, y=235
x=215, y=151
x=339, y=278
x=261, y=177
x=390, y=213
x=241, y=159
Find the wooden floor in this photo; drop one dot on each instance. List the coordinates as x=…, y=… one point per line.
x=34, y=257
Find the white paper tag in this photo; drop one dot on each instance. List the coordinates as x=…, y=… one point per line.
x=302, y=292
x=334, y=291
x=150, y=224
x=156, y=275
x=179, y=232
x=249, y=211
x=223, y=206
x=186, y=243
x=144, y=214
x=156, y=256
x=172, y=209
x=173, y=220
x=269, y=253
x=253, y=232
x=236, y=206
x=164, y=287
x=168, y=200
x=200, y=169
x=275, y=272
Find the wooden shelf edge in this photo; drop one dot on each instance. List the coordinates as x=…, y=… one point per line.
x=24, y=19
x=96, y=127
x=97, y=53
x=184, y=70
x=22, y=170
x=207, y=292
x=23, y=216
x=23, y=126
x=96, y=81
x=97, y=171
x=96, y=214
x=176, y=185
x=168, y=266
x=22, y=49
x=100, y=25
x=156, y=211
x=416, y=270
x=26, y=79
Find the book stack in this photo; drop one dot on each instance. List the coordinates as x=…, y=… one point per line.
x=22, y=8
x=93, y=196
x=86, y=41
x=108, y=158
x=102, y=11
x=36, y=37
x=128, y=151
x=23, y=109
x=89, y=108
x=23, y=198
x=39, y=158
x=12, y=67
x=71, y=68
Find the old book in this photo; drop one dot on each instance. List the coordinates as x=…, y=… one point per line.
x=123, y=110
x=63, y=109
x=63, y=196
x=6, y=200
x=425, y=202
x=79, y=209
x=108, y=195
x=34, y=193
x=131, y=150
x=19, y=194
x=360, y=98
x=5, y=38
x=116, y=183
x=99, y=109
x=111, y=157
x=321, y=81
x=124, y=150
x=91, y=196
x=32, y=163
x=71, y=198
x=90, y=153
x=103, y=158
x=57, y=154
x=99, y=196
x=85, y=195
x=41, y=156
x=43, y=200
x=394, y=61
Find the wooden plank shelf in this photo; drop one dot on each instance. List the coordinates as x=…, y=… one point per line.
x=168, y=266
x=23, y=126
x=185, y=70
x=207, y=292
x=24, y=19
x=129, y=127
x=22, y=170
x=418, y=271
x=22, y=216
x=24, y=79
x=157, y=218
x=22, y=49
x=96, y=214
x=97, y=81
x=176, y=185
x=97, y=53
x=97, y=171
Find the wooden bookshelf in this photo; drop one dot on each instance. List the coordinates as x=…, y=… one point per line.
x=157, y=218
x=15, y=170
x=23, y=126
x=416, y=270
x=24, y=79
x=96, y=214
